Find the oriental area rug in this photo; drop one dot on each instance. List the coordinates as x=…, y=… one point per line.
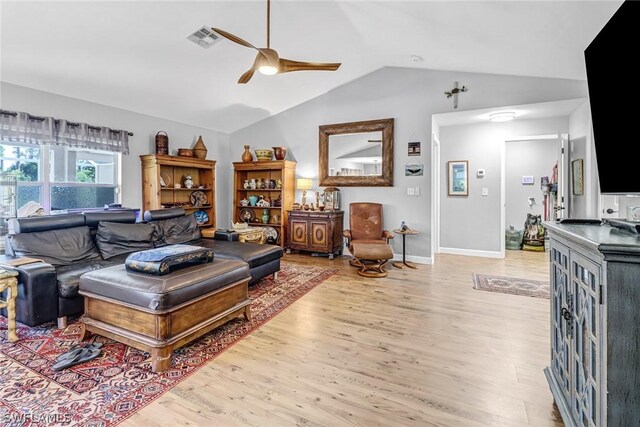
x=119, y=382
x=511, y=285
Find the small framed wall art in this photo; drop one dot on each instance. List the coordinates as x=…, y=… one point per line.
x=414, y=148
x=458, y=177
x=576, y=177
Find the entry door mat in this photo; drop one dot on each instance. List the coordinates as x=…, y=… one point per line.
x=112, y=387
x=511, y=285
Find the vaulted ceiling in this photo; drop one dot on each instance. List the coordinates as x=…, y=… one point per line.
x=135, y=55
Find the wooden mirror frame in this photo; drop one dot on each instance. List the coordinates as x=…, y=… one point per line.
x=385, y=180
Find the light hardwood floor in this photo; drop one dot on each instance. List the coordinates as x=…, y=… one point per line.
x=418, y=348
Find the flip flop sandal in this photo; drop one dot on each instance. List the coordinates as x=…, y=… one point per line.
x=77, y=348
x=84, y=355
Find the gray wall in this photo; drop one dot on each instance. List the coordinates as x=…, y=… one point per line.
x=144, y=127
x=410, y=96
x=474, y=222
x=526, y=158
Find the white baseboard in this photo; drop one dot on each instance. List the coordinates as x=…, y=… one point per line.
x=416, y=259
x=471, y=252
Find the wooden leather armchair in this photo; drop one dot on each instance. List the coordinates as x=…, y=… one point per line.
x=365, y=222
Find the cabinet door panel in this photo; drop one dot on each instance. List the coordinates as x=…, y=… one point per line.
x=319, y=234
x=585, y=285
x=298, y=232
x=560, y=327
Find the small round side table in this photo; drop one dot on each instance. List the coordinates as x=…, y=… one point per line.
x=8, y=281
x=405, y=263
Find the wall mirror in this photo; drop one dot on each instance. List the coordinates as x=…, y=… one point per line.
x=357, y=154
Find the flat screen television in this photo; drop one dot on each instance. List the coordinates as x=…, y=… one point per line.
x=614, y=96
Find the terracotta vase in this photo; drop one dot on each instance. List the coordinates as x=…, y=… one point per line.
x=247, y=156
x=280, y=152
x=199, y=149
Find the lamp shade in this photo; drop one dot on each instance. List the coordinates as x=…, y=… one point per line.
x=304, y=184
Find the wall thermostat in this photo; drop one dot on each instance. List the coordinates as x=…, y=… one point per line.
x=480, y=173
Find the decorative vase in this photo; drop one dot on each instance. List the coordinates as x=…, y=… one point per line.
x=188, y=181
x=253, y=200
x=247, y=156
x=199, y=149
x=280, y=152
x=265, y=216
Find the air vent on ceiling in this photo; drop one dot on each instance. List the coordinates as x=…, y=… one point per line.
x=204, y=37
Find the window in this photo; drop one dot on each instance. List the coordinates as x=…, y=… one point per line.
x=60, y=177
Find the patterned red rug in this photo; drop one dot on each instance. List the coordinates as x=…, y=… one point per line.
x=107, y=390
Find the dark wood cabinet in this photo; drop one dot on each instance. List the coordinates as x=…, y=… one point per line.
x=315, y=231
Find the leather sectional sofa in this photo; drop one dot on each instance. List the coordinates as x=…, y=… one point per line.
x=72, y=244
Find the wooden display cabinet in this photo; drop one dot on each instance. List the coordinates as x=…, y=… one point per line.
x=160, y=173
x=316, y=231
x=265, y=171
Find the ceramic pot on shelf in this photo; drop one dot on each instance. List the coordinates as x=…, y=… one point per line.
x=247, y=156
x=279, y=152
x=265, y=216
x=200, y=150
x=253, y=200
x=188, y=181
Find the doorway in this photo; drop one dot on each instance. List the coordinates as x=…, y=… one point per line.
x=469, y=135
x=535, y=179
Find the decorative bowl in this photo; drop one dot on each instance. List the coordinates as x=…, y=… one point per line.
x=185, y=152
x=263, y=154
x=201, y=217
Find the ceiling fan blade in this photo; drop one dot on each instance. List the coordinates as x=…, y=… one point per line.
x=246, y=76
x=233, y=38
x=287, y=65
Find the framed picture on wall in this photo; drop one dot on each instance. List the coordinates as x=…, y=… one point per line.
x=458, y=177
x=576, y=177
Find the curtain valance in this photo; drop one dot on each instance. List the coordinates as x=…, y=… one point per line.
x=24, y=128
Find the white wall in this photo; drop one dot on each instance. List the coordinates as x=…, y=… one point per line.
x=19, y=98
x=581, y=147
x=474, y=223
x=410, y=96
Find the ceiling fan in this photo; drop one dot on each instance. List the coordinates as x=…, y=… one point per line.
x=269, y=62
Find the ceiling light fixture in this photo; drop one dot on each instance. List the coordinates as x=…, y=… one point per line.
x=416, y=58
x=502, y=116
x=268, y=70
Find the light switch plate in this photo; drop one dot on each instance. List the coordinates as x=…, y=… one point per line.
x=485, y=191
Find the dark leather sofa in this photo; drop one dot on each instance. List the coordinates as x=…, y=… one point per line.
x=73, y=244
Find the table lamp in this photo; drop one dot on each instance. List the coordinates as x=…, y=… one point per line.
x=304, y=184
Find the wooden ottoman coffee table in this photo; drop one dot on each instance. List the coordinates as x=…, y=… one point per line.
x=371, y=258
x=158, y=314
x=8, y=281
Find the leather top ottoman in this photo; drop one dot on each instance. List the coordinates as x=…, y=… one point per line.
x=158, y=314
x=162, y=292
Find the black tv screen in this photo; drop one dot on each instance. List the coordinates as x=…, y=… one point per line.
x=614, y=97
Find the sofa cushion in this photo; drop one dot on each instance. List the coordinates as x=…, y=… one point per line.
x=68, y=276
x=56, y=247
x=182, y=229
x=253, y=254
x=115, y=238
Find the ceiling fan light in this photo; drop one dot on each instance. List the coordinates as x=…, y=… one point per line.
x=268, y=70
x=502, y=116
